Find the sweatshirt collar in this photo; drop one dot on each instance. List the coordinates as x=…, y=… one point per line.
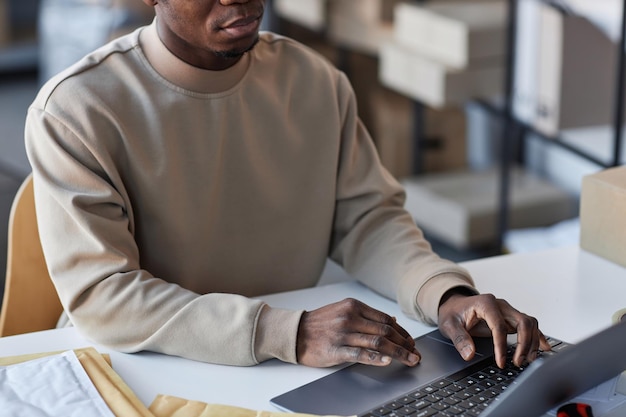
x=184, y=75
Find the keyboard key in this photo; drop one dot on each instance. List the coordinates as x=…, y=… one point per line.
x=442, y=383
x=451, y=400
x=454, y=387
x=454, y=411
x=417, y=395
x=463, y=395
x=406, y=411
x=426, y=413
x=467, y=404
x=440, y=406
x=433, y=398
x=419, y=404
x=467, y=382
x=393, y=405
x=428, y=389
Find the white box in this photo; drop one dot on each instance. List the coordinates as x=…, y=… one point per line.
x=311, y=14
x=462, y=208
x=602, y=219
x=433, y=83
x=453, y=33
x=565, y=70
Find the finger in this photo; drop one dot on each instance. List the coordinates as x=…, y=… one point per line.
x=377, y=323
x=491, y=311
x=375, y=350
x=380, y=317
x=529, y=338
x=462, y=340
x=527, y=342
x=367, y=357
x=543, y=342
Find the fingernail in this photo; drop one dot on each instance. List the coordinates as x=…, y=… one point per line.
x=466, y=352
x=385, y=359
x=413, y=358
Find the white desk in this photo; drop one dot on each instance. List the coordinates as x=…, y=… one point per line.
x=571, y=292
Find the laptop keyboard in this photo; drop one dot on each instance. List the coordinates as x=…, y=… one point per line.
x=463, y=394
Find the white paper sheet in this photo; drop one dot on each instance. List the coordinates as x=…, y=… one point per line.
x=54, y=386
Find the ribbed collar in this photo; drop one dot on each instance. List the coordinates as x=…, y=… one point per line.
x=184, y=75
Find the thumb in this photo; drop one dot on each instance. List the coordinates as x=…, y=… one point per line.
x=462, y=340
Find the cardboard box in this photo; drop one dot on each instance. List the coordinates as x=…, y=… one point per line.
x=393, y=125
x=433, y=83
x=453, y=33
x=362, y=25
x=462, y=208
x=602, y=219
x=565, y=70
x=389, y=116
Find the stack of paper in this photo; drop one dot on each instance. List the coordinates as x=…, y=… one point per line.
x=74, y=383
x=54, y=386
x=81, y=383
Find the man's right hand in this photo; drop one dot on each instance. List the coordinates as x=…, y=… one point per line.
x=350, y=331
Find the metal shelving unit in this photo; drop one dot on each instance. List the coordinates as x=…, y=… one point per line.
x=514, y=131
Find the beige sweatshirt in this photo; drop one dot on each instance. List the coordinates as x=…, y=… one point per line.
x=168, y=195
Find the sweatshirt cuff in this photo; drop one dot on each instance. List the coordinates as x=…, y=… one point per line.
x=429, y=296
x=276, y=334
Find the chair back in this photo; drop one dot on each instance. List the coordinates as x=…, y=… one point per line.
x=30, y=300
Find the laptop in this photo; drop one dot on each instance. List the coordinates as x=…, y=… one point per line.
x=438, y=385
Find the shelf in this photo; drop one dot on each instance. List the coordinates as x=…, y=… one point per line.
x=513, y=128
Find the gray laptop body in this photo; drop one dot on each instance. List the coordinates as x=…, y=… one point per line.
x=546, y=383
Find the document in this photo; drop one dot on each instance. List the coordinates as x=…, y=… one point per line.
x=53, y=386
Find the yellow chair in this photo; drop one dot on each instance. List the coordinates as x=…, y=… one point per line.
x=30, y=300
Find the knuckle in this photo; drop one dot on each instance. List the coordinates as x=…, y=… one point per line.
x=501, y=327
x=377, y=342
x=528, y=322
x=351, y=303
x=398, y=352
x=386, y=330
x=370, y=355
x=488, y=298
x=458, y=339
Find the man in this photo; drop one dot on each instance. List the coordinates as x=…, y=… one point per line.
x=192, y=164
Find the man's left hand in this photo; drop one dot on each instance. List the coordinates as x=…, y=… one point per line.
x=462, y=316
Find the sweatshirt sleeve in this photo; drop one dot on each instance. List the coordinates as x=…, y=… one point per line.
x=375, y=238
x=87, y=237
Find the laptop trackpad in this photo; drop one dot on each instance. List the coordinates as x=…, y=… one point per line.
x=439, y=358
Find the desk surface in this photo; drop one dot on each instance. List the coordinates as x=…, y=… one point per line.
x=571, y=292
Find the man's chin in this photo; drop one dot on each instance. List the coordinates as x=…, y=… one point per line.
x=236, y=53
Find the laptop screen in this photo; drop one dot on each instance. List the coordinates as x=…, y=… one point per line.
x=551, y=381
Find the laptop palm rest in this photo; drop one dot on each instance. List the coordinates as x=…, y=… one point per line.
x=358, y=388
